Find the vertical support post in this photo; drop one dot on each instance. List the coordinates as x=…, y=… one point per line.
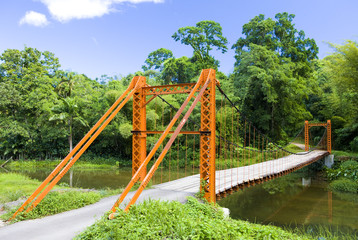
x=307, y=137
x=207, y=138
x=329, y=136
x=139, y=140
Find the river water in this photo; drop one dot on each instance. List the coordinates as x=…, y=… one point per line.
x=300, y=198
x=296, y=200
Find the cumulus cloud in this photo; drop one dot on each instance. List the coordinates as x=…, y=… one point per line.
x=65, y=10
x=35, y=19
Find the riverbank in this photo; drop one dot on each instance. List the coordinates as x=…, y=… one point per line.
x=172, y=220
x=16, y=188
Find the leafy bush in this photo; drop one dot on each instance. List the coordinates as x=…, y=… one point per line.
x=344, y=185
x=173, y=220
x=57, y=202
x=348, y=169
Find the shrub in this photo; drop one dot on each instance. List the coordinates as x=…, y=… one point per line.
x=57, y=202
x=173, y=220
x=344, y=185
x=348, y=169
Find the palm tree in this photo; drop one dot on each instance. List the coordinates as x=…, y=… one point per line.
x=68, y=113
x=67, y=83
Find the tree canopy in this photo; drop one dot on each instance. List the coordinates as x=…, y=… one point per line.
x=205, y=36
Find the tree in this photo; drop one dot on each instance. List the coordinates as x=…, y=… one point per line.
x=178, y=70
x=27, y=79
x=341, y=72
x=156, y=59
x=274, y=73
x=280, y=36
x=66, y=84
x=68, y=113
x=269, y=92
x=203, y=38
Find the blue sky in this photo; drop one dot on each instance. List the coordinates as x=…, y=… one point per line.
x=114, y=37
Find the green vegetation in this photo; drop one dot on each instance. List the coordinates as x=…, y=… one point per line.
x=278, y=82
x=57, y=202
x=323, y=232
x=344, y=177
x=13, y=186
x=344, y=185
x=173, y=220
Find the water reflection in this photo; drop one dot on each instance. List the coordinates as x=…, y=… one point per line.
x=102, y=178
x=306, y=181
x=292, y=201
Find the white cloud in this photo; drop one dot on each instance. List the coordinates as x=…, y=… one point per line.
x=35, y=19
x=65, y=10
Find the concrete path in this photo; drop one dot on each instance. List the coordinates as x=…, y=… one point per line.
x=67, y=225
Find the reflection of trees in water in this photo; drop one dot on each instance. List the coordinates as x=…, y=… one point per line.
x=283, y=184
x=256, y=203
x=350, y=197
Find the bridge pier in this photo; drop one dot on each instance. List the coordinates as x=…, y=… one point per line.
x=329, y=160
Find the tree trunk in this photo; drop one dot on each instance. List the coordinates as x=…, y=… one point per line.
x=70, y=143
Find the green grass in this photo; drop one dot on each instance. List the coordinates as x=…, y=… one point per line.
x=325, y=232
x=344, y=154
x=293, y=148
x=14, y=185
x=344, y=185
x=173, y=220
x=56, y=202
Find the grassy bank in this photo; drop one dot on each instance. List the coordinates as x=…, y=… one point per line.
x=29, y=164
x=15, y=186
x=343, y=175
x=173, y=220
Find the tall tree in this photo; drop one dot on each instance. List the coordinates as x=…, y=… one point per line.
x=270, y=94
x=178, y=70
x=156, y=59
x=205, y=36
x=341, y=72
x=280, y=36
x=27, y=78
x=68, y=113
x=274, y=73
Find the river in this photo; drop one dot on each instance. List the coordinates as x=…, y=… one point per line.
x=298, y=199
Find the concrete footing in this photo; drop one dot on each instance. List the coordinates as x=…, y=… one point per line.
x=329, y=161
x=226, y=212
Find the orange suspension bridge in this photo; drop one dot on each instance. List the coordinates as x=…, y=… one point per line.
x=223, y=153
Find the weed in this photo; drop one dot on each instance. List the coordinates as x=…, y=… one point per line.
x=173, y=220
x=57, y=202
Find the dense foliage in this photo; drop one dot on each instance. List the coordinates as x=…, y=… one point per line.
x=173, y=220
x=277, y=83
x=344, y=176
x=57, y=202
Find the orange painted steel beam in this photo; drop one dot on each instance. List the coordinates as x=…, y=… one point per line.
x=155, y=148
x=317, y=125
x=327, y=125
x=307, y=137
x=207, y=141
x=77, y=147
x=329, y=136
x=81, y=151
x=169, y=89
x=171, y=132
x=168, y=145
x=139, y=141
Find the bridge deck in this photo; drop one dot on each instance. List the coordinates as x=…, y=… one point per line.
x=241, y=176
